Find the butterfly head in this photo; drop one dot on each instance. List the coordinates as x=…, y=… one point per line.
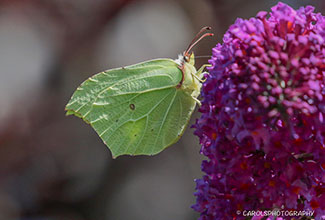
x=189, y=59
x=189, y=81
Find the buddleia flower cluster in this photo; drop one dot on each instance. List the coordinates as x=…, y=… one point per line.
x=262, y=127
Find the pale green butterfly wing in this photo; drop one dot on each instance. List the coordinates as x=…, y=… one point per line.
x=136, y=110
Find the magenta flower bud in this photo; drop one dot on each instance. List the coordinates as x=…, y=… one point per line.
x=262, y=126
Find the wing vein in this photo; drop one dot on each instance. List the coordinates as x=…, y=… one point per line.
x=144, y=131
x=131, y=119
x=122, y=142
x=131, y=79
x=125, y=81
x=164, y=119
x=181, y=111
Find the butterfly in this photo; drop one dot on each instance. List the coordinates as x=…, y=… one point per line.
x=143, y=108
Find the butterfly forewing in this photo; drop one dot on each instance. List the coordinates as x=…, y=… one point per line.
x=136, y=109
x=158, y=74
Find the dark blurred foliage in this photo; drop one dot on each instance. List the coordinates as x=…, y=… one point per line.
x=55, y=167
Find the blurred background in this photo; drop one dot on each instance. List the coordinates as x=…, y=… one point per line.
x=56, y=167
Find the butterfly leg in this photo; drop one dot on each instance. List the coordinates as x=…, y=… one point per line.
x=199, y=74
x=200, y=71
x=196, y=77
x=197, y=101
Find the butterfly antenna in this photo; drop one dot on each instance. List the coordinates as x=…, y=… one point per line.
x=202, y=56
x=207, y=28
x=197, y=39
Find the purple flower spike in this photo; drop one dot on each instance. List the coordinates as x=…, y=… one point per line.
x=262, y=127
